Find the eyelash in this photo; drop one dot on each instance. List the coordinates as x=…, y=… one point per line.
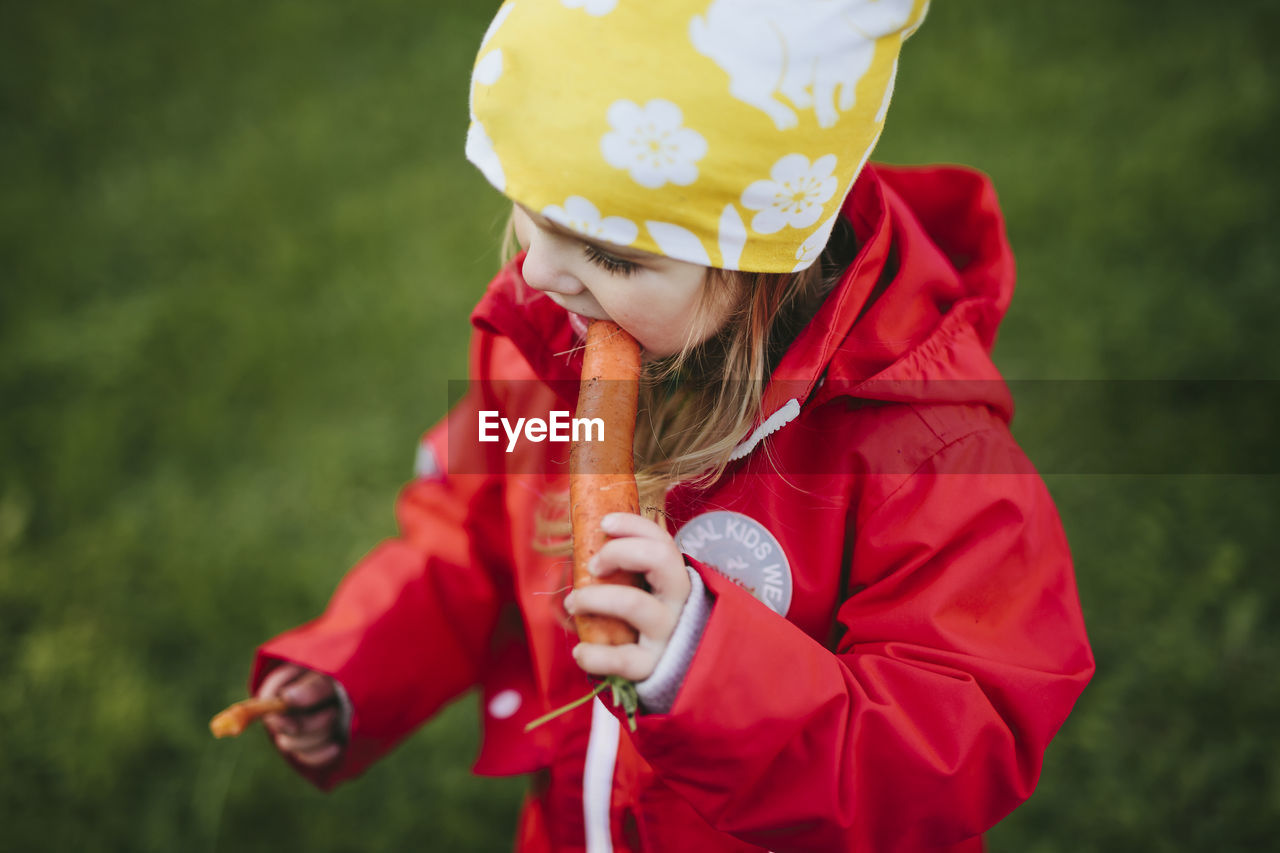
x=609, y=263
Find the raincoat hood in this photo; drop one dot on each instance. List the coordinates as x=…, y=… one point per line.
x=946, y=271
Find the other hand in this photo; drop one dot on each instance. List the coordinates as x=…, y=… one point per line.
x=309, y=731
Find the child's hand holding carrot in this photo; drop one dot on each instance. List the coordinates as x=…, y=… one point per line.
x=310, y=733
x=640, y=546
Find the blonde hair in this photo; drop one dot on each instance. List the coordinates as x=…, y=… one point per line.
x=698, y=405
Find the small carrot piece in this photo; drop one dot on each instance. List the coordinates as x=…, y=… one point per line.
x=602, y=473
x=236, y=718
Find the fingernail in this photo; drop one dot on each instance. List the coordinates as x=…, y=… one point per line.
x=609, y=522
x=593, y=566
x=568, y=602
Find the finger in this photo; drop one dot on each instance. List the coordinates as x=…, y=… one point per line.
x=280, y=724
x=658, y=560
x=308, y=742
x=300, y=722
x=630, y=524
x=271, y=687
x=320, y=757
x=277, y=679
x=630, y=661
x=310, y=690
x=324, y=720
x=649, y=616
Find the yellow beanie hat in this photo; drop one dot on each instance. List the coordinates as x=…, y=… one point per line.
x=720, y=132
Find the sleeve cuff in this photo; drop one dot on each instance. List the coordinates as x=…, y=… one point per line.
x=658, y=692
x=344, y=710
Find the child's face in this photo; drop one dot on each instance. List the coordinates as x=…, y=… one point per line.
x=654, y=298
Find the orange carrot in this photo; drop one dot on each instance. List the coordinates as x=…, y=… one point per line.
x=236, y=718
x=602, y=480
x=602, y=473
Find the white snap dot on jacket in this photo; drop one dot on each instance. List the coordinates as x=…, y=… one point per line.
x=504, y=704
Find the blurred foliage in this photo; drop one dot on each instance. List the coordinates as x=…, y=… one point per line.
x=241, y=243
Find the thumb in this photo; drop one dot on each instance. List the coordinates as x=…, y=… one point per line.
x=311, y=689
x=275, y=681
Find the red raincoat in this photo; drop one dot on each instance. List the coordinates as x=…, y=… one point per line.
x=932, y=642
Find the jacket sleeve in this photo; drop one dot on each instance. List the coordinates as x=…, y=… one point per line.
x=961, y=657
x=407, y=629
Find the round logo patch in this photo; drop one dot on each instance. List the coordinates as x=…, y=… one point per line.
x=743, y=550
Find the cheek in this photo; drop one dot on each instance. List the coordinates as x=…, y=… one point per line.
x=663, y=331
x=722, y=301
x=706, y=307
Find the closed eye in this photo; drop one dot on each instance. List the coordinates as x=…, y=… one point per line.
x=608, y=263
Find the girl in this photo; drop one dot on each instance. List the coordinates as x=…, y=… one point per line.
x=859, y=628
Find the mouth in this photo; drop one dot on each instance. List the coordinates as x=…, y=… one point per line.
x=579, y=324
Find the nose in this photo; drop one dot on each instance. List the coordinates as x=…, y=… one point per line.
x=545, y=266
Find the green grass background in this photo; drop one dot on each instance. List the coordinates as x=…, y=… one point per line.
x=240, y=243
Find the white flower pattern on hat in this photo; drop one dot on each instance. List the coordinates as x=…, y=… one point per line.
x=488, y=69
x=497, y=21
x=733, y=236
x=489, y=66
x=480, y=152
x=813, y=245
x=581, y=216
x=795, y=195
x=652, y=143
x=678, y=242
x=888, y=94
x=776, y=59
x=591, y=7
